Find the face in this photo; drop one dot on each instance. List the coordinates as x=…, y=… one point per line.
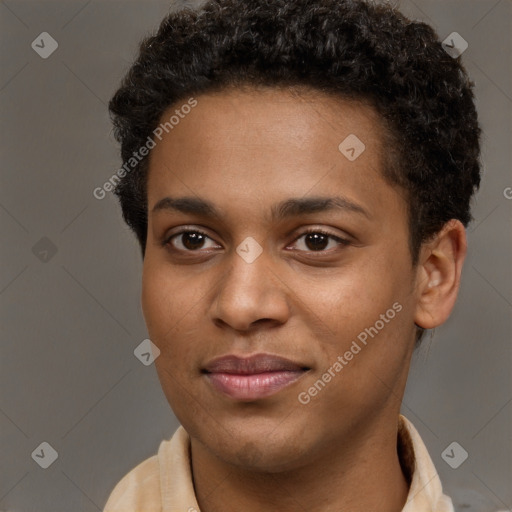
x=281, y=293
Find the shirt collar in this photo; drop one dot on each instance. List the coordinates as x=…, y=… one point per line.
x=425, y=490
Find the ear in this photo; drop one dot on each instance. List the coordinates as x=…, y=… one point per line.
x=438, y=275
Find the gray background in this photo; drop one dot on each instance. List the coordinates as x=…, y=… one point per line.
x=71, y=320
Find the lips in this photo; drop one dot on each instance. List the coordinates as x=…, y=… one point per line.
x=252, y=378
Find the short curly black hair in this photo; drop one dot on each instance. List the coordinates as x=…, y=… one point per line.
x=354, y=49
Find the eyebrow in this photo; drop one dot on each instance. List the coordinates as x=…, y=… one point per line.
x=285, y=209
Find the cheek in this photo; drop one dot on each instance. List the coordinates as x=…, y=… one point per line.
x=353, y=299
x=165, y=314
x=165, y=302
x=153, y=300
x=173, y=311
x=368, y=302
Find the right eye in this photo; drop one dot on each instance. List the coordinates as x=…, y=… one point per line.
x=187, y=241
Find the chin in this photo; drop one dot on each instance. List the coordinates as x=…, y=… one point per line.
x=264, y=446
x=260, y=456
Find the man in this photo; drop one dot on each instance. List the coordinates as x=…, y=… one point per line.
x=299, y=176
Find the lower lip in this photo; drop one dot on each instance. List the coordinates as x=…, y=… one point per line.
x=255, y=386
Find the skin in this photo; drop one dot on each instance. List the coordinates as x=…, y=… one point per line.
x=245, y=151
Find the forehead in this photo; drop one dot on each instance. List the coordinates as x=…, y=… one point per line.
x=258, y=143
x=288, y=116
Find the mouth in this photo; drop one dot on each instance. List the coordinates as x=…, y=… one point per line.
x=252, y=378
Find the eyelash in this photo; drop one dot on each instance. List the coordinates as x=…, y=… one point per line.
x=167, y=241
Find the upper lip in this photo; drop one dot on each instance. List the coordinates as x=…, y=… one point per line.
x=258, y=363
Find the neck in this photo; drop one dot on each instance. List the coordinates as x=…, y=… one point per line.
x=360, y=475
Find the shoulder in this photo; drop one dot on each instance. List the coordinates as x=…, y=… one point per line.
x=162, y=482
x=138, y=490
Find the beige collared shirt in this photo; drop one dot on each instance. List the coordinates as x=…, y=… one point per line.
x=163, y=483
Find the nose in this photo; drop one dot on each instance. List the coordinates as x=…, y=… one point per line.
x=250, y=293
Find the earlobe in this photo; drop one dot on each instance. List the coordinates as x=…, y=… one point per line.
x=438, y=277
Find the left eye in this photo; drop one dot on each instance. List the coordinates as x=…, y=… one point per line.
x=318, y=241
